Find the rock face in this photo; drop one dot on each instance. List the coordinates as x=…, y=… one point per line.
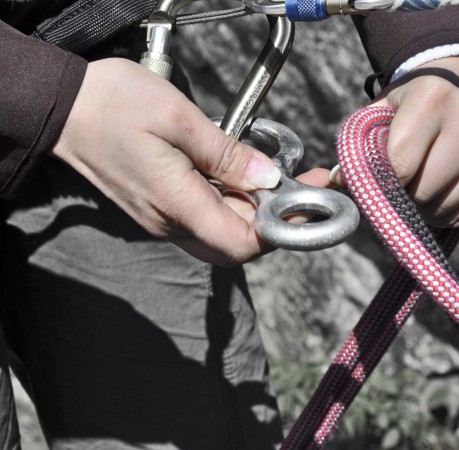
x=308, y=302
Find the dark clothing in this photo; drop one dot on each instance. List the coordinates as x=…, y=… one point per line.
x=124, y=341
x=39, y=83
x=391, y=39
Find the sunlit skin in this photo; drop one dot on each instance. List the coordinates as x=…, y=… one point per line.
x=423, y=144
x=146, y=146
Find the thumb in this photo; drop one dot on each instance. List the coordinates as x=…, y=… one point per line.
x=213, y=152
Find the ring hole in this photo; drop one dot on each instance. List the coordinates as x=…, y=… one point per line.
x=302, y=214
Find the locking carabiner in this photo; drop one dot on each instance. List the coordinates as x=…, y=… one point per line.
x=315, y=10
x=159, y=31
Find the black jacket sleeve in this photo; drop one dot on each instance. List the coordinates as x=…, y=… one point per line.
x=392, y=38
x=38, y=85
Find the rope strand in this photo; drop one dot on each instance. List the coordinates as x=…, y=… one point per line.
x=423, y=268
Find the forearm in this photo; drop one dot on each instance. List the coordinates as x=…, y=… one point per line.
x=38, y=85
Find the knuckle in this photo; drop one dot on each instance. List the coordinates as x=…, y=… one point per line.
x=423, y=197
x=227, y=158
x=175, y=110
x=434, y=91
x=402, y=168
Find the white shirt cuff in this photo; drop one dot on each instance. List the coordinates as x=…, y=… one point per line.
x=442, y=51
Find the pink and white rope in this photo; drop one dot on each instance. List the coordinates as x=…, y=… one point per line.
x=365, y=167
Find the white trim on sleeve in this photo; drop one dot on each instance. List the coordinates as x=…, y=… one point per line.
x=442, y=51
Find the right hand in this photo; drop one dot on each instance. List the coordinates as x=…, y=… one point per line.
x=146, y=146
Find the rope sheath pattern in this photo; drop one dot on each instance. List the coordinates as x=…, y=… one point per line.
x=356, y=143
x=366, y=169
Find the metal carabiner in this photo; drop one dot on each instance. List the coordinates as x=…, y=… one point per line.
x=159, y=32
x=258, y=82
x=290, y=196
x=315, y=10
x=260, y=79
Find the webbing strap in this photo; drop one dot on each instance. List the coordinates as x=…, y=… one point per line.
x=211, y=16
x=87, y=23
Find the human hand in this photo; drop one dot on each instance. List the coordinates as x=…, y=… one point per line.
x=423, y=143
x=146, y=146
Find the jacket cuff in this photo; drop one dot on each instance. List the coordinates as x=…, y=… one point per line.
x=390, y=39
x=39, y=83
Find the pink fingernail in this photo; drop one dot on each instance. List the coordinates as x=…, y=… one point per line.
x=262, y=174
x=334, y=174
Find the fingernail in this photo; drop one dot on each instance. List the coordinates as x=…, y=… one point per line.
x=334, y=173
x=262, y=174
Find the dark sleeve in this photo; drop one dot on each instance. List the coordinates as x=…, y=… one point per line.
x=38, y=85
x=392, y=38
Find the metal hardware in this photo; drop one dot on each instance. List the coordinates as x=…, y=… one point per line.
x=290, y=196
x=159, y=31
x=339, y=213
x=260, y=78
x=316, y=10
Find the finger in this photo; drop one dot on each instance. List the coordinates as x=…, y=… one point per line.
x=222, y=232
x=444, y=205
x=246, y=209
x=450, y=220
x=424, y=109
x=211, y=255
x=212, y=151
x=241, y=206
x=438, y=170
x=214, y=223
x=335, y=177
x=318, y=177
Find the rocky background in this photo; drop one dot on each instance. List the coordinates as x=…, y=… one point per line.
x=309, y=302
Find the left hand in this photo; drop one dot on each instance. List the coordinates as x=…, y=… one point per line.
x=423, y=144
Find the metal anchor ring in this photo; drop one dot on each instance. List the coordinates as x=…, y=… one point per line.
x=339, y=213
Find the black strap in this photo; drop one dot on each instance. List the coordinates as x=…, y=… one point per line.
x=88, y=23
x=369, y=86
x=432, y=71
x=435, y=71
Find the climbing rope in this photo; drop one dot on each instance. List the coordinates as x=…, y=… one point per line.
x=423, y=268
